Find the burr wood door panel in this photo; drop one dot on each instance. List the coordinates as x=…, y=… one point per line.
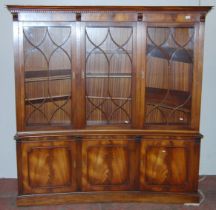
x=109, y=164
x=48, y=167
x=169, y=165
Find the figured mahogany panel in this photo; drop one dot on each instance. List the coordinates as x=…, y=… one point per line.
x=48, y=167
x=169, y=74
x=160, y=171
x=108, y=164
x=166, y=165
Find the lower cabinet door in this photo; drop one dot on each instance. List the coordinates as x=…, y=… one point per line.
x=47, y=167
x=109, y=163
x=169, y=165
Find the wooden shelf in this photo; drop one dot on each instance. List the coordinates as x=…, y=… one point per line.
x=65, y=123
x=45, y=75
x=180, y=55
x=175, y=98
x=110, y=75
x=169, y=107
x=104, y=123
x=46, y=99
x=117, y=51
x=109, y=98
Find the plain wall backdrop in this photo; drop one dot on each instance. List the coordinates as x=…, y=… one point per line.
x=7, y=86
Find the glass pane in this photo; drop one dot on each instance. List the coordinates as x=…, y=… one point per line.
x=169, y=75
x=108, y=75
x=47, y=66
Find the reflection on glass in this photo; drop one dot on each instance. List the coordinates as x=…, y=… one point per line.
x=169, y=75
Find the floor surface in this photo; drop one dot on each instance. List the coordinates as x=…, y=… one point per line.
x=207, y=189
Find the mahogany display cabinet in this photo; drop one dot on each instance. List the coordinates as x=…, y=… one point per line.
x=108, y=103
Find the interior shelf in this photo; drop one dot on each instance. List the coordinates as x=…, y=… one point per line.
x=155, y=96
x=66, y=123
x=45, y=75
x=114, y=51
x=110, y=75
x=181, y=55
x=122, y=124
x=169, y=107
x=47, y=99
x=109, y=98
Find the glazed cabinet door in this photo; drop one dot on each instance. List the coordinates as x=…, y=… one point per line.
x=109, y=163
x=46, y=166
x=44, y=75
x=170, y=73
x=169, y=165
x=109, y=51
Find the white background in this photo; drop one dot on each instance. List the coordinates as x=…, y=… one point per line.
x=7, y=88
